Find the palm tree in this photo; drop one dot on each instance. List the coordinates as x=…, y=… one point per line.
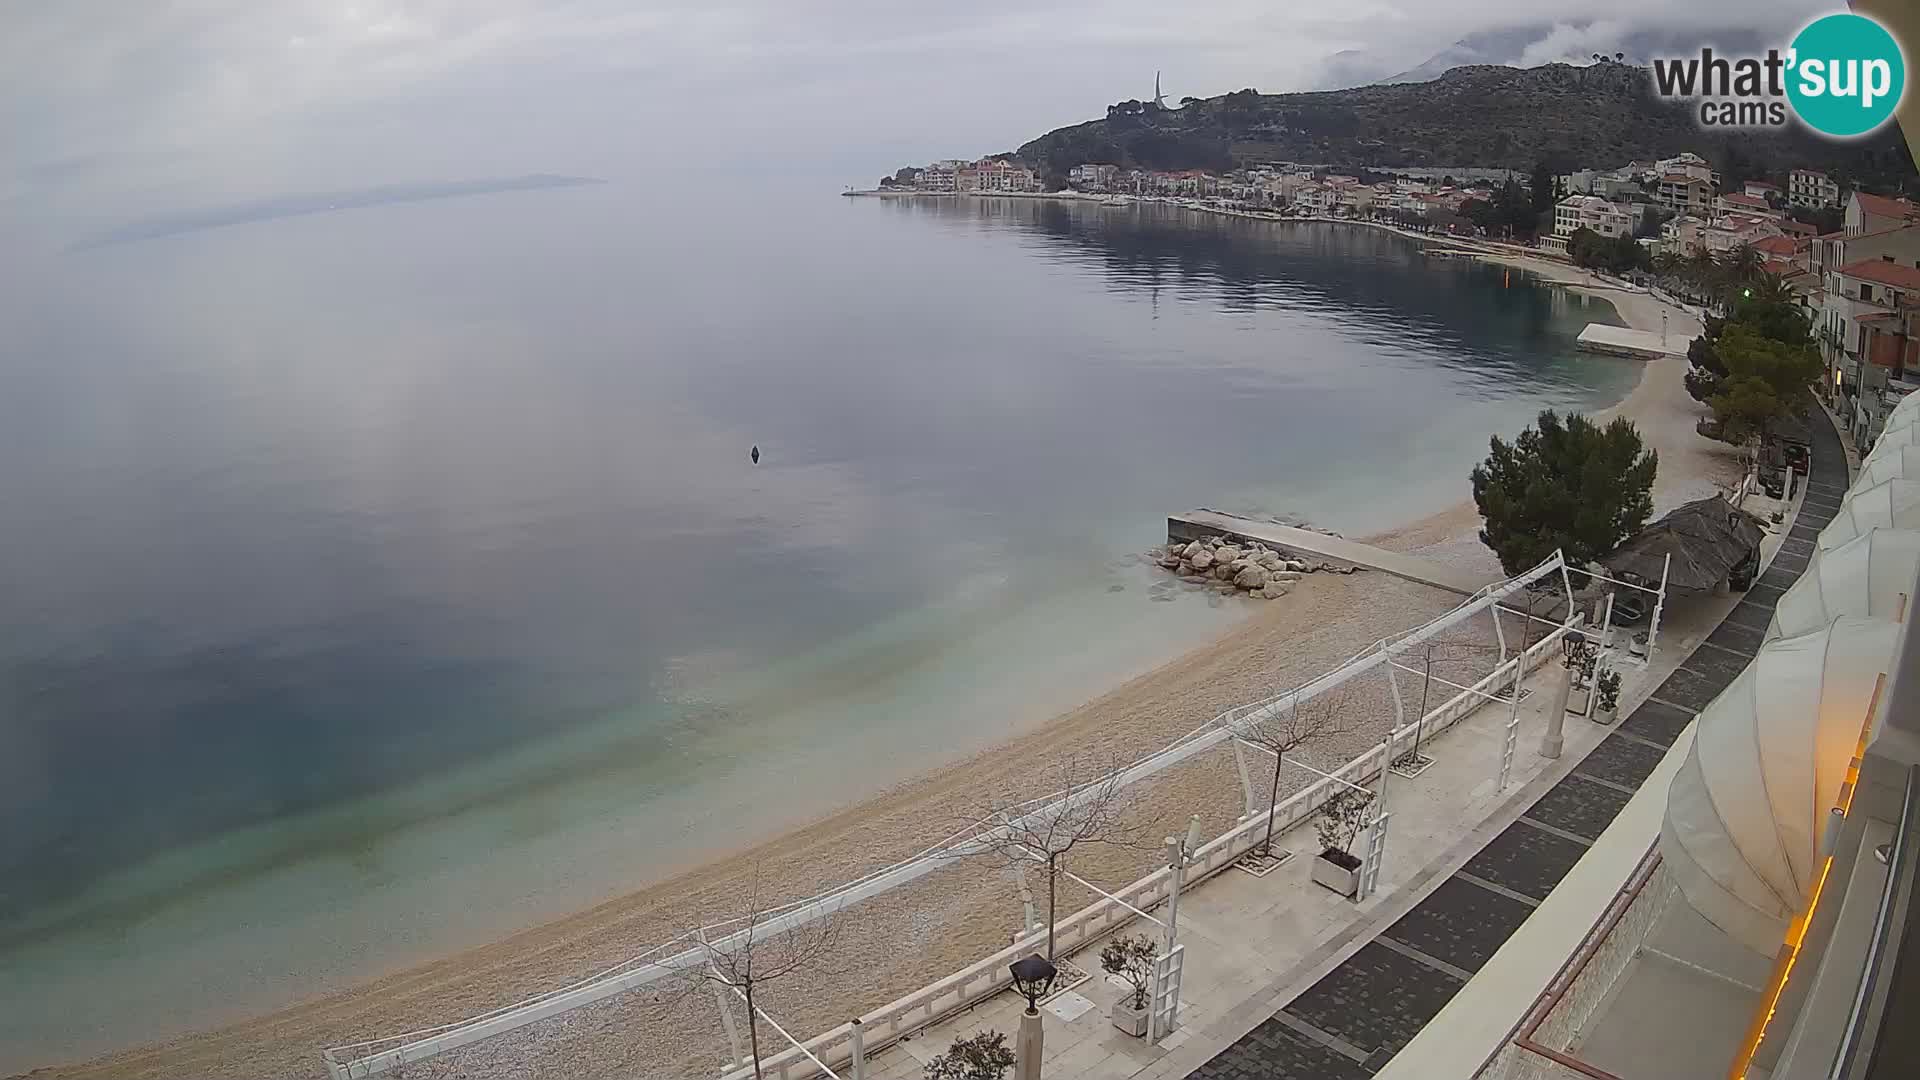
x=1771, y=289
x=1744, y=264
x=1701, y=272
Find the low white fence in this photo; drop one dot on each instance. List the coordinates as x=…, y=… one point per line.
x=966, y=987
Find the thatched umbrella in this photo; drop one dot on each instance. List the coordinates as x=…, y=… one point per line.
x=1706, y=538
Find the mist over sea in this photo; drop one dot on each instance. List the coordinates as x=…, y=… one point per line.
x=377, y=582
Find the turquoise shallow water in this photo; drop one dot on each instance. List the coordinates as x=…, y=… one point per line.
x=382, y=581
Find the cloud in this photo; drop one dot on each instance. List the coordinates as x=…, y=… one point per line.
x=238, y=97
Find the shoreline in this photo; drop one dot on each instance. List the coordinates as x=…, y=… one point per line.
x=1278, y=640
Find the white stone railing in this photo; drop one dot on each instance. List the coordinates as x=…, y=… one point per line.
x=989, y=976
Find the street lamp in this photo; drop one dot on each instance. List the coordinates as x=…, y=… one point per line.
x=1032, y=978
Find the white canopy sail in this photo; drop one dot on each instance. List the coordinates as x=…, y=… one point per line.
x=1898, y=463
x=1869, y=575
x=1746, y=811
x=1892, y=439
x=1892, y=504
x=1905, y=412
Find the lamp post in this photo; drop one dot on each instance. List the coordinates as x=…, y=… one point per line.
x=1573, y=647
x=1032, y=978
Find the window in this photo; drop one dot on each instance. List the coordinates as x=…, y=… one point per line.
x=1866, y=291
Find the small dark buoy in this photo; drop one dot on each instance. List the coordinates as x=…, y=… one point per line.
x=756, y=455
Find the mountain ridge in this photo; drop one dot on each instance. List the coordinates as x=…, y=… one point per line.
x=1483, y=116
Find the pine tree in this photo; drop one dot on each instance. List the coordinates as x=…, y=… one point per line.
x=1564, y=484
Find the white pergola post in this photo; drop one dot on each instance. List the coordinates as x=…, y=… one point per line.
x=1246, y=779
x=1659, y=604
x=858, y=1038
x=1030, y=921
x=1499, y=635
x=1377, y=827
x=1513, y=725
x=1399, y=710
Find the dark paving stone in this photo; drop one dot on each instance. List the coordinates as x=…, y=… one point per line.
x=1754, y=616
x=1527, y=860
x=1657, y=721
x=1377, y=1000
x=1818, y=501
x=1768, y=593
x=1621, y=761
x=1461, y=923
x=1795, y=563
x=1803, y=531
x=1826, y=488
x=1274, y=1051
x=1777, y=577
x=1705, y=674
x=1741, y=639
x=1791, y=546
x=1579, y=806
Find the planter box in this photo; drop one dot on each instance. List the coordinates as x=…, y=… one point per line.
x=1130, y=1020
x=1341, y=879
x=1605, y=716
x=1577, y=699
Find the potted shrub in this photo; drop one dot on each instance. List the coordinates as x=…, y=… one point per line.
x=1580, y=668
x=981, y=1056
x=1131, y=958
x=1339, y=823
x=1607, y=686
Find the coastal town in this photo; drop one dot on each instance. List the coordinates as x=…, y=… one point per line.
x=1850, y=257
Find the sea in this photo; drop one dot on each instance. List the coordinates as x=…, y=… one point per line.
x=381, y=580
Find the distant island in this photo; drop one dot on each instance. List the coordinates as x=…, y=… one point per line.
x=324, y=203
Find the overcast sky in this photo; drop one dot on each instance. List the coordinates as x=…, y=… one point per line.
x=112, y=108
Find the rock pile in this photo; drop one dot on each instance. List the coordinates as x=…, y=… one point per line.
x=1238, y=566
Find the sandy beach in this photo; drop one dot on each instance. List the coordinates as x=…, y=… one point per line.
x=956, y=915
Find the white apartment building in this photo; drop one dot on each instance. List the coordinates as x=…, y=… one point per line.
x=1577, y=212
x=1683, y=193
x=1806, y=187
x=1093, y=177
x=1690, y=165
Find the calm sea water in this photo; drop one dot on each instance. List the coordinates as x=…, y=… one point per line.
x=378, y=582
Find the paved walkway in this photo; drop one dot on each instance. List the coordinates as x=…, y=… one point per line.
x=1198, y=523
x=1352, y=1021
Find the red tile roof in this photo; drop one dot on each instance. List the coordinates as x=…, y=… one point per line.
x=1881, y=206
x=1777, y=245
x=1753, y=201
x=1799, y=227
x=1886, y=273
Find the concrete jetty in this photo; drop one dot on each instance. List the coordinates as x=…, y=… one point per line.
x=1638, y=344
x=1306, y=543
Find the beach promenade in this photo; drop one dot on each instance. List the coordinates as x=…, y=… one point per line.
x=1286, y=981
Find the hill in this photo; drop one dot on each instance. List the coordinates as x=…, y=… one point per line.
x=1602, y=114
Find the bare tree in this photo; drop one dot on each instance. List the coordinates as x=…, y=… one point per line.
x=1089, y=806
x=1284, y=728
x=755, y=950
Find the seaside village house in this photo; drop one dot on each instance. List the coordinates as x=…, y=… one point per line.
x=1867, y=286
x=1576, y=212
x=1811, y=189
x=987, y=174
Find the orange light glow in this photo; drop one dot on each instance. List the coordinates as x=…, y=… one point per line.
x=1797, y=929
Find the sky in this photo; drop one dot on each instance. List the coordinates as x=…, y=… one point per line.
x=113, y=109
